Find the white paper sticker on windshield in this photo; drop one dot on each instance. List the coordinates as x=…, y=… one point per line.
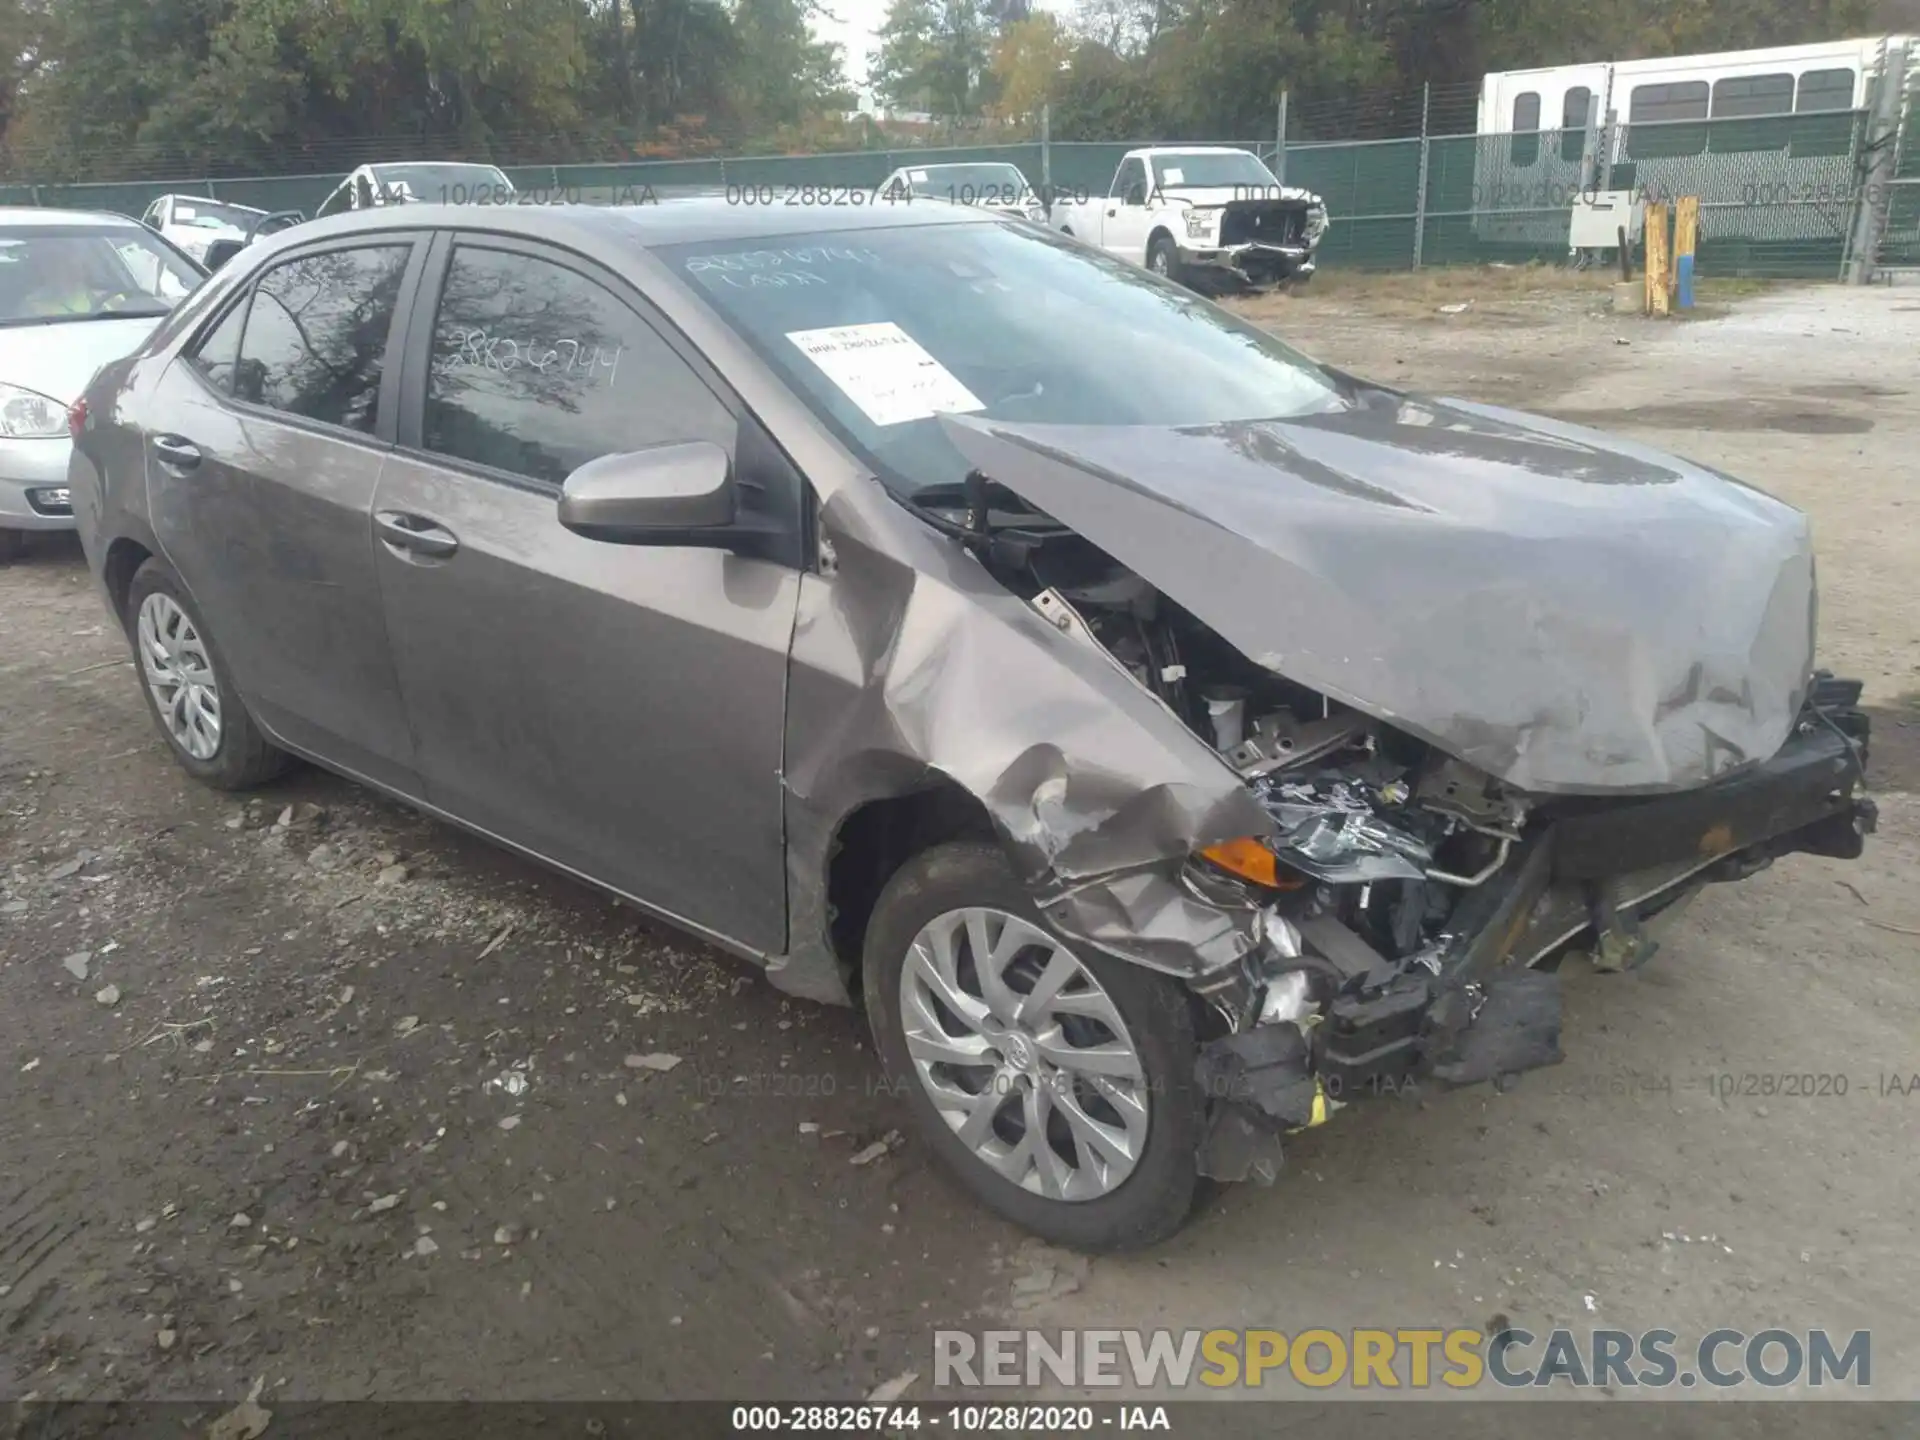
x=919, y=177
x=183, y=212
x=1173, y=175
x=885, y=371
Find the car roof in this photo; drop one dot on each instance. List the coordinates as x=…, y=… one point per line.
x=668, y=220
x=209, y=200
x=11, y=215
x=1195, y=150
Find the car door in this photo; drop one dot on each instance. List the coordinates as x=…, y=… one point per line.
x=264, y=443
x=618, y=710
x=1126, y=216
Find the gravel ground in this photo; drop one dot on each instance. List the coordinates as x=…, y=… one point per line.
x=312, y=1091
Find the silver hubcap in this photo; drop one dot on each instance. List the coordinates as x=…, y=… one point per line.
x=1159, y=264
x=180, y=675
x=1024, y=1054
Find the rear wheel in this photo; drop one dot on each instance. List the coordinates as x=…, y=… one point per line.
x=1057, y=1086
x=189, y=688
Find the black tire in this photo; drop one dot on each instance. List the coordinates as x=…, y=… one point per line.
x=1164, y=1188
x=13, y=544
x=1163, y=258
x=244, y=758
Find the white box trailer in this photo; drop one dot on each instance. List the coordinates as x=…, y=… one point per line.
x=1550, y=136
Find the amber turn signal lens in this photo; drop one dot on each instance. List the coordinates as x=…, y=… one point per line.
x=1251, y=860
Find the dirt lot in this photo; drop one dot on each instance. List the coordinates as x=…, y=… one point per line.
x=311, y=1090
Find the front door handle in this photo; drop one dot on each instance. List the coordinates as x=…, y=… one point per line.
x=416, y=533
x=176, y=451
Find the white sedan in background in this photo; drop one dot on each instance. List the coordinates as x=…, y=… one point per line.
x=193, y=222
x=77, y=290
x=995, y=186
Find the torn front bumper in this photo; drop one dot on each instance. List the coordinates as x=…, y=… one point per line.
x=1479, y=1011
x=1253, y=264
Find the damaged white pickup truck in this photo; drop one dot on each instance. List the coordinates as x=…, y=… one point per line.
x=1209, y=216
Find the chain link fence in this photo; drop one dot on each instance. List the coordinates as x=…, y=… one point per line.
x=1778, y=195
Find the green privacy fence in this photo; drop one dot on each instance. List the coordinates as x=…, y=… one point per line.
x=1778, y=194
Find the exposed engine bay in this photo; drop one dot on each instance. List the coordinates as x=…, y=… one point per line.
x=1413, y=908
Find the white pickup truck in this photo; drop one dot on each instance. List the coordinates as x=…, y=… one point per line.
x=1203, y=215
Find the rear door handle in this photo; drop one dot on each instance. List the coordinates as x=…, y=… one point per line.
x=416, y=533
x=176, y=451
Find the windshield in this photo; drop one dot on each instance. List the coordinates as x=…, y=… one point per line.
x=879, y=329
x=448, y=184
x=214, y=215
x=970, y=184
x=72, y=272
x=1198, y=169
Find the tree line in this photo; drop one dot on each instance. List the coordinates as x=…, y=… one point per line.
x=1123, y=69
x=247, y=82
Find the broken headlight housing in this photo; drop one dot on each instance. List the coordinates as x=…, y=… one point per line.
x=1201, y=223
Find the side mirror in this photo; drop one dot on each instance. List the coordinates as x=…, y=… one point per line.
x=681, y=494
x=220, y=251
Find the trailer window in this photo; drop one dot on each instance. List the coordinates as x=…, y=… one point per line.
x=1827, y=96
x=1752, y=95
x=1654, y=113
x=1749, y=111
x=1524, y=148
x=1825, y=90
x=1573, y=123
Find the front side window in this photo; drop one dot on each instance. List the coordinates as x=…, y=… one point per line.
x=316, y=340
x=879, y=331
x=1131, y=178
x=218, y=354
x=57, y=273
x=537, y=369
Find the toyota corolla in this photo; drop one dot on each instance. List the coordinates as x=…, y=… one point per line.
x=1167, y=739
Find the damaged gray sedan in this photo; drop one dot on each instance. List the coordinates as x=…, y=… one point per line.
x=1167, y=739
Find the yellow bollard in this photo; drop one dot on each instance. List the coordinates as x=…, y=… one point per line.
x=1659, y=260
x=1686, y=240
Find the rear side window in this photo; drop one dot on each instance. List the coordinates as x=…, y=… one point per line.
x=538, y=369
x=217, y=355
x=316, y=340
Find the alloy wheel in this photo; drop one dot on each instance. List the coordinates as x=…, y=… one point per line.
x=1024, y=1054
x=179, y=672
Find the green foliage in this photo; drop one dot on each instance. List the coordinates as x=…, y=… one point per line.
x=245, y=84
x=935, y=56
x=242, y=82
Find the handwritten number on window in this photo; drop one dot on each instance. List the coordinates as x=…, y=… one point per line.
x=479, y=349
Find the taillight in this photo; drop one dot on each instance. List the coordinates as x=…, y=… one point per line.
x=77, y=417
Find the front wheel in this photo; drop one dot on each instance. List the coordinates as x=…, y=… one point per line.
x=1163, y=258
x=189, y=688
x=1057, y=1086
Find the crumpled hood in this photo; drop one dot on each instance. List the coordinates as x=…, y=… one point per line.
x=1569, y=611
